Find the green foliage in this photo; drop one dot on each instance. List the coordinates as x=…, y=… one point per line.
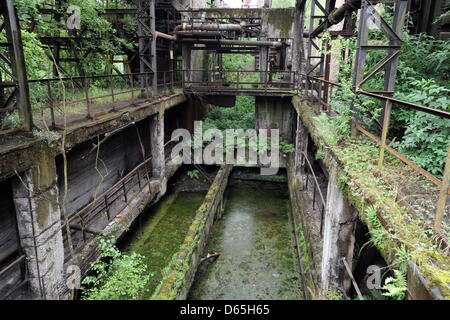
x=194, y=174
x=320, y=154
x=241, y=116
x=395, y=286
x=426, y=136
x=287, y=147
x=118, y=276
x=10, y=121
x=423, y=75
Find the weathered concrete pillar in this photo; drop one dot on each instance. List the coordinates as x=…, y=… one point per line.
x=186, y=49
x=338, y=237
x=157, y=145
x=275, y=113
x=263, y=62
x=35, y=195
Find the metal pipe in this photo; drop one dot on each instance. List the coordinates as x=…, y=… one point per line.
x=209, y=27
x=165, y=36
x=199, y=33
x=336, y=16
x=237, y=42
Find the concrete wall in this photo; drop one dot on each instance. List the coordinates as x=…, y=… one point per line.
x=91, y=171
x=275, y=113
x=181, y=271
x=339, y=238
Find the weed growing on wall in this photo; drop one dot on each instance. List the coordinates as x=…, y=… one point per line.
x=117, y=276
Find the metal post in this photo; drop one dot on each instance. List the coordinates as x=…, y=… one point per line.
x=50, y=100
x=386, y=120
x=440, y=206
x=111, y=84
x=147, y=40
x=86, y=92
x=124, y=191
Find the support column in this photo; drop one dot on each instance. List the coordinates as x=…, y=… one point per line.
x=339, y=238
x=187, y=53
x=35, y=195
x=157, y=145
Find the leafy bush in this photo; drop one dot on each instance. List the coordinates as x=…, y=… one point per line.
x=242, y=116
x=426, y=136
x=118, y=276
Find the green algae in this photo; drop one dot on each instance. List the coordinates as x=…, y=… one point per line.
x=162, y=231
x=255, y=241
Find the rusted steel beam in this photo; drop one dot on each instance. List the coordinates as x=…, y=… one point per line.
x=401, y=157
x=440, y=206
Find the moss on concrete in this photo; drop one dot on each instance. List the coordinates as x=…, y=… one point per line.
x=363, y=186
x=175, y=274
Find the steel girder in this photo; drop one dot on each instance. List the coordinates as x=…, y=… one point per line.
x=389, y=63
x=13, y=69
x=147, y=42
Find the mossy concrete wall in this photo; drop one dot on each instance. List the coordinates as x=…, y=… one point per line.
x=306, y=251
x=179, y=275
x=430, y=278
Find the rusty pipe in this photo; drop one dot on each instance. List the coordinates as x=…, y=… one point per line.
x=208, y=27
x=165, y=36
x=237, y=42
x=336, y=16
x=199, y=33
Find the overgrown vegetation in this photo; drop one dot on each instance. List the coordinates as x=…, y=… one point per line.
x=117, y=276
x=422, y=78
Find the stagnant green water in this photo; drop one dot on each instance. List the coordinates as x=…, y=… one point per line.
x=161, y=231
x=255, y=241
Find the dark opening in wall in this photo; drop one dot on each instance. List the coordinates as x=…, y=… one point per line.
x=366, y=258
x=10, y=274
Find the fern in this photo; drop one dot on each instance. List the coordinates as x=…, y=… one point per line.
x=395, y=286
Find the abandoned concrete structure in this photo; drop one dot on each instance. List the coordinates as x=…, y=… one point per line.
x=95, y=171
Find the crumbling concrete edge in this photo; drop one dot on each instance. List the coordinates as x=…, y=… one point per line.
x=179, y=274
x=418, y=287
x=150, y=195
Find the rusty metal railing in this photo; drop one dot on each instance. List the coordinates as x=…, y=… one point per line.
x=19, y=261
x=324, y=90
x=316, y=188
x=113, y=201
x=217, y=81
x=79, y=98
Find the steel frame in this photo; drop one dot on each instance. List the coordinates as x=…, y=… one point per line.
x=13, y=67
x=389, y=63
x=147, y=41
x=312, y=42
